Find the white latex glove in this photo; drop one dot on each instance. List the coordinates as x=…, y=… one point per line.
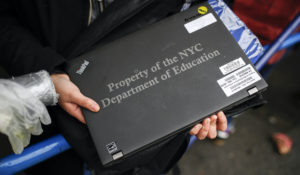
x=21, y=114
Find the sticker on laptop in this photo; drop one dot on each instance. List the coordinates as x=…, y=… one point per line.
x=111, y=147
x=232, y=66
x=202, y=10
x=238, y=80
x=200, y=23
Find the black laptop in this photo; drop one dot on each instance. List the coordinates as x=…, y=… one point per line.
x=158, y=81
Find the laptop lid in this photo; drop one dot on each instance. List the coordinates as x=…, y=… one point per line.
x=162, y=79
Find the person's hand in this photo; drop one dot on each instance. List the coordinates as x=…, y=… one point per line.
x=70, y=97
x=21, y=114
x=209, y=126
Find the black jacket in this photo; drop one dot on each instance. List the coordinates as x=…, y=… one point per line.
x=34, y=33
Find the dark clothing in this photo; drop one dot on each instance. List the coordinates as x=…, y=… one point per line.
x=43, y=34
x=34, y=33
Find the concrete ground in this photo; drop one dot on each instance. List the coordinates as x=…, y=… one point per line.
x=250, y=150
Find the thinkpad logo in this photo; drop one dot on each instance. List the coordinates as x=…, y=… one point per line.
x=82, y=67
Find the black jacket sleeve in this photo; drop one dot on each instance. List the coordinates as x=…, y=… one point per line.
x=20, y=51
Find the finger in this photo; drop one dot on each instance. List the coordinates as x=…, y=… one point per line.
x=222, y=121
x=74, y=110
x=45, y=117
x=26, y=139
x=196, y=129
x=36, y=129
x=204, y=130
x=81, y=100
x=212, y=133
x=15, y=143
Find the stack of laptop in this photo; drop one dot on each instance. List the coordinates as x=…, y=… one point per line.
x=160, y=80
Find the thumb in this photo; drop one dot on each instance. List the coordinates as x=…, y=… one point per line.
x=85, y=102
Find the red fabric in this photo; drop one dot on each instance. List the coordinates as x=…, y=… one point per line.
x=276, y=57
x=267, y=18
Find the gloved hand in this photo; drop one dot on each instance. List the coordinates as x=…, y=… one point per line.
x=21, y=114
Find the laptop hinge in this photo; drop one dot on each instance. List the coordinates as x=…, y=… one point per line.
x=252, y=91
x=117, y=155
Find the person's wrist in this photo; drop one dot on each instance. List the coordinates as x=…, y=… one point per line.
x=59, y=75
x=57, y=79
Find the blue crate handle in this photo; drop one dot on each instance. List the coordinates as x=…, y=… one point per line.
x=33, y=155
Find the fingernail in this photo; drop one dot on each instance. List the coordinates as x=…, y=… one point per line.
x=200, y=126
x=221, y=113
x=214, y=117
x=193, y=131
x=95, y=107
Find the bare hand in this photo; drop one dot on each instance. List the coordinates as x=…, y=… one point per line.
x=209, y=126
x=70, y=97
